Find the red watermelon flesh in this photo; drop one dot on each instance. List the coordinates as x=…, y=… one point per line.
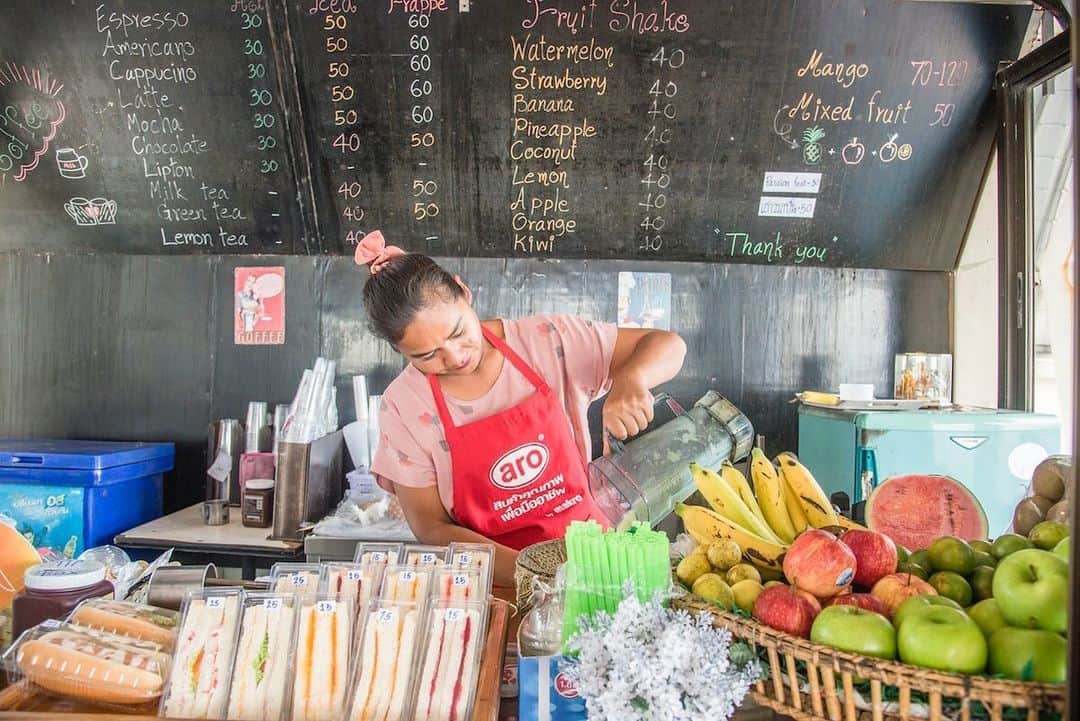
x=915, y=509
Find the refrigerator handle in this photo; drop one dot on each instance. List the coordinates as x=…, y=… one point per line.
x=868, y=475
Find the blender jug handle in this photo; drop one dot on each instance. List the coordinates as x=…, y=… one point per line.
x=618, y=446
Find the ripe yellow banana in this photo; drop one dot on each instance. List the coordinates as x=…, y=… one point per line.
x=735, y=478
x=806, y=491
x=799, y=521
x=770, y=496
x=706, y=525
x=821, y=398
x=849, y=525
x=725, y=501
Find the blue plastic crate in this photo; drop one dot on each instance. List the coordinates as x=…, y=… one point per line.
x=72, y=495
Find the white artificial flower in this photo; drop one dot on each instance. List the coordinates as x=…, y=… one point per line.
x=650, y=663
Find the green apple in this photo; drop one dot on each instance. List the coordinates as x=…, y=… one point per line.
x=1008, y=544
x=901, y=553
x=854, y=629
x=982, y=582
x=952, y=585
x=944, y=639
x=1063, y=548
x=1047, y=534
x=1028, y=655
x=987, y=614
x=916, y=604
x=1032, y=589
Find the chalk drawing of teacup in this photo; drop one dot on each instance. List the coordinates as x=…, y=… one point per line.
x=97, y=211
x=71, y=164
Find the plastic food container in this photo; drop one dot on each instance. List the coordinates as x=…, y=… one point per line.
x=406, y=584
x=70, y=662
x=480, y=556
x=294, y=577
x=417, y=555
x=258, y=686
x=381, y=683
x=324, y=643
x=53, y=590
x=460, y=585
x=447, y=668
x=384, y=553
x=131, y=620
x=356, y=581
x=199, y=683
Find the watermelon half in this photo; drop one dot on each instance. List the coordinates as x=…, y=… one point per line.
x=915, y=509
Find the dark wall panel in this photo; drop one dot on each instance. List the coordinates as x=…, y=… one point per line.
x=136, y=347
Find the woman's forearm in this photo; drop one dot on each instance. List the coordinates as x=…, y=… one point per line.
x=656, y=357
x=443, y=534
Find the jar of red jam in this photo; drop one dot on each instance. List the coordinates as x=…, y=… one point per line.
x=54, y=589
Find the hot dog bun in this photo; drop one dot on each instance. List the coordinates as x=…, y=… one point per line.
x=79, y=666
x=148, y=623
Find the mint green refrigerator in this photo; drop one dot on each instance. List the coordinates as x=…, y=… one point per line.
x=992, y=452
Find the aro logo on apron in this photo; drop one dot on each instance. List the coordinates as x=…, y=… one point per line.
x=519, y=467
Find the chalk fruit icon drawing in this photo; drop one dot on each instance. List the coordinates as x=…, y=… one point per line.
x=71, y=163
x=888, y=150
x=28, y=123
x=904, y=152
x=96, y=211
x=853, y=152
x=811, y=151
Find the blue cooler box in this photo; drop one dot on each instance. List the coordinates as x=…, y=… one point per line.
x=73, y=495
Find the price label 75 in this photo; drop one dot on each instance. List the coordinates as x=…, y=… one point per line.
x=385, y=615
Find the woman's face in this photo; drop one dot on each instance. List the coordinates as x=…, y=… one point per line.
x=444, y=338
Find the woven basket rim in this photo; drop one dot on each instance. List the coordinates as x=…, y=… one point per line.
x=976, y=687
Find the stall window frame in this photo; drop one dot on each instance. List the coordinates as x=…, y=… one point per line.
x=1016, y=246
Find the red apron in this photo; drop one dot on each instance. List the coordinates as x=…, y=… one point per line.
x=518, y=477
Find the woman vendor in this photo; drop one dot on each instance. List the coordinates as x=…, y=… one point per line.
x=484, y=435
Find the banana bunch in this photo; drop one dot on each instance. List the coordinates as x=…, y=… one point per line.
x=785, y=500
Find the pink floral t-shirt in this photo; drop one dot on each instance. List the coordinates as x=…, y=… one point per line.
x=571, y=354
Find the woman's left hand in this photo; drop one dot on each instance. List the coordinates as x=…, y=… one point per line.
x=628, y=409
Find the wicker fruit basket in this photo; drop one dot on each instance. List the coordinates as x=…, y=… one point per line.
x=811, y=682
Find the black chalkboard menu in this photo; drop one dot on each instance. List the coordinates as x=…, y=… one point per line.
x=143, y=127
x=817, y=132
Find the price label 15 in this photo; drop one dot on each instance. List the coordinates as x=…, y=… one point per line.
x=454, y=614
x=378, y=557
x=325, y=606
x=408, y=576
x=215, y=602
x=464, y=559
x=427, y=558
x=460, y=579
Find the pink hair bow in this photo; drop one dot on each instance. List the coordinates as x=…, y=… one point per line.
x=374, y=252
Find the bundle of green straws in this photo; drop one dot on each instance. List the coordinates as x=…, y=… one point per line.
x=601, y=566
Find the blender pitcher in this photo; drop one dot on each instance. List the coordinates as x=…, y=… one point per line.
x=643, y=479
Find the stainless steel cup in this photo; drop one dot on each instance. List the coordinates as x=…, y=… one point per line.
x=215, y=513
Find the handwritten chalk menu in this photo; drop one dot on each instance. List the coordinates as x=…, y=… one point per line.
x=144, y=127
x=828, y=132
x=810, y=133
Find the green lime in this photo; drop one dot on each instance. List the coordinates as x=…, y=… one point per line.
x=980, y=545
x=920, y=558
x=952, y=585
x=982, y=558
x=914, y=569
x=982, y=582
x=1008, y=544
x=950, y=553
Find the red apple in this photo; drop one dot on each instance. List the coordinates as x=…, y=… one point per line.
x=894, y=589
x=862, y=600
x=875, y=556
x=787, y=609
x=818, y=563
